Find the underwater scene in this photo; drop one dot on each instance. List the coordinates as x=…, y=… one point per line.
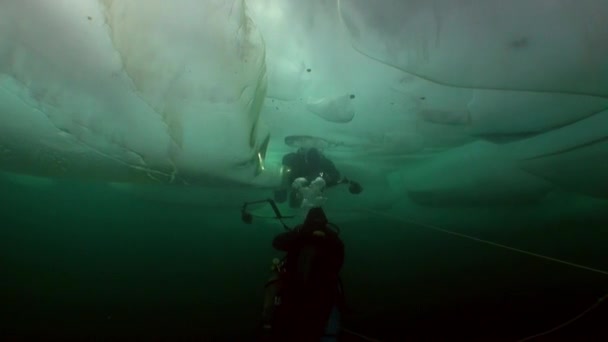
x=320, y=170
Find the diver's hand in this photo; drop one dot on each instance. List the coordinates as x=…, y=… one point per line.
x=355, y=188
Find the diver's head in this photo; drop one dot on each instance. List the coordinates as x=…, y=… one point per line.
x=316, y=218
x=313, y=156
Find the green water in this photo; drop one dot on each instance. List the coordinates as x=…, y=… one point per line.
x=81, y=261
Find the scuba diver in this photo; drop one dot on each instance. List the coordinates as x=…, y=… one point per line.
x=308, y=165
x=305, y=298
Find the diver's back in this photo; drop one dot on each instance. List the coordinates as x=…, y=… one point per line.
x=311, y=290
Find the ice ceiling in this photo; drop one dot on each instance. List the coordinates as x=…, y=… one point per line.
x=444, y=101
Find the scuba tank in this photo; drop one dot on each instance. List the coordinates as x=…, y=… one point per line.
x=272, y=293
x=332, y=330
x=272, y=300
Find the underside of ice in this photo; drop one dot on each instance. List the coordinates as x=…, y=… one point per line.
x=122, y=90
x=441, y=102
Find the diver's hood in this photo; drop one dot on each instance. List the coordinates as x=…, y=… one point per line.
x=316, y=218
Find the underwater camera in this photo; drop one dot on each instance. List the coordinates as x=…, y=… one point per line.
x=247, y=217
x=315, y=217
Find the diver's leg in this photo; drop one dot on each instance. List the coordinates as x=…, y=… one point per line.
x=295, y=198
x=295, y=195
x=281, y=194
x=332, y=331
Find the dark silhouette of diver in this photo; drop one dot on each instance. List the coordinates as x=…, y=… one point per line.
x=308, y=284
x=309, y=163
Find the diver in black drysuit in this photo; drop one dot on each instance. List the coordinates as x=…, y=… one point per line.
x=311, y=288
x=310, y=163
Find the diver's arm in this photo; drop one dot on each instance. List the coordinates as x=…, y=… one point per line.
x=290, y=159
x=338, y=250
x=331, y=174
